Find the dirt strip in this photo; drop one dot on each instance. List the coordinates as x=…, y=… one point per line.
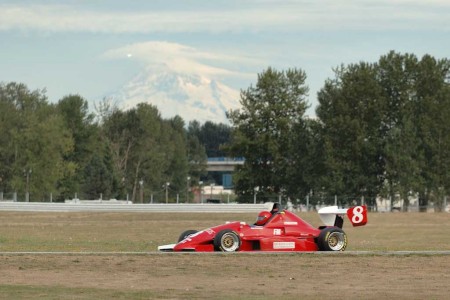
x=238, y=275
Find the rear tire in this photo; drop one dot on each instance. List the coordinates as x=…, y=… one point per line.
x=186, y=233
x=332, y=239
x=227, y=241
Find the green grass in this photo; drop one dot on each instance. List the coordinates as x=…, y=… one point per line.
x=141, y=232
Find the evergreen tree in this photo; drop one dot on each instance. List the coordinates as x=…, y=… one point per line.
x=87, y=142
x=350, y=111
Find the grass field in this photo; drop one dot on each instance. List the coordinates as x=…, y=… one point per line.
x=214, y=276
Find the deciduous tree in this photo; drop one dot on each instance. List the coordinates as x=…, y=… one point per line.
x=263, y=129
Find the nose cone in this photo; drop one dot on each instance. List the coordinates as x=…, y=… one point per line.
x=192, y=242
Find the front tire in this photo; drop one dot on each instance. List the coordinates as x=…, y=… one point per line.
x=332, y=239
x=186, y=234
x=227, y=241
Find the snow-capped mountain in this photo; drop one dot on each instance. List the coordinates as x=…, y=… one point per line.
x=193, y=97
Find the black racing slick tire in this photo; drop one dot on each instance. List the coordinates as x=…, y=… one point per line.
x=186, y=233
x=332, y=239
x=227, y=240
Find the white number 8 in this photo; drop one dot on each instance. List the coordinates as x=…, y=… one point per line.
x=357, y=215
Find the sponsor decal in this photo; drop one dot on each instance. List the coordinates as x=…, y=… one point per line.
x=283, y=245
x=277, y=232
x=306, y=235
x=256, y=227
x=189, y=238
x=290, y=223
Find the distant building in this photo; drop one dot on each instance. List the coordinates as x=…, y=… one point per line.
x=220, y=170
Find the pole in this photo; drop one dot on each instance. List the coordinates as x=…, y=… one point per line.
x=200, y=183
x=187, y=189
x=141, y=191
x=167, y=192
x=27, y=193
x=212, y=184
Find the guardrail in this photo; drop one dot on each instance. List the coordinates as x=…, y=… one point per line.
x=107, y=207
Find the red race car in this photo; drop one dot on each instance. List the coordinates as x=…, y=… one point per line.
x=274, y=230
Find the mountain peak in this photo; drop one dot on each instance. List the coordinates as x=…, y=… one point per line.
x=191, y=96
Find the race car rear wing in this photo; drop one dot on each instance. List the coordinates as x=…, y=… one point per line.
x=334, y=216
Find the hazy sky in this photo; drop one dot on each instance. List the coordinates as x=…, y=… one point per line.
x=93, y=47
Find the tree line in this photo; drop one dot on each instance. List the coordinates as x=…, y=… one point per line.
x=65, y=150
x=382, y=128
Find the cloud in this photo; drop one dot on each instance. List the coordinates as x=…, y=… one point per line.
x=250, y=16
x=180, y=58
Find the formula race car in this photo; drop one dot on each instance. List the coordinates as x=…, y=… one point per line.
x=274, y=230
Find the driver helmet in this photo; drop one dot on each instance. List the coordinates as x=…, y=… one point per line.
x=263, y=217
